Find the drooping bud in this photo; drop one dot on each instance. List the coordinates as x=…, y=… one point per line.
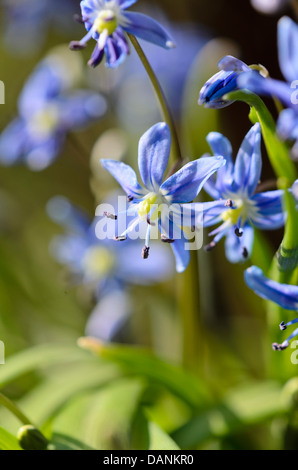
x=30, y=438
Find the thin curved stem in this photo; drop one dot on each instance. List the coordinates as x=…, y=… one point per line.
x=7, y=403
x=163, y=105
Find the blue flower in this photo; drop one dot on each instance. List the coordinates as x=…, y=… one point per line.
x=225, y=81
x=284, y=295
x=269, y=6
x=48, y=110
x=107, y=21
x=237, y=183
x=103, y=266
x=287, y=125
x=160, y=204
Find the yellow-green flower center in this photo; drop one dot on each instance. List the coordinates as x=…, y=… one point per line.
x=106, y=20
x=44, y=122
x=233, y=215
x=98, y=262
x=150, y=206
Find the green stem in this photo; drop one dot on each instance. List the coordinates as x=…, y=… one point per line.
x=7, y=403
x=164, y=108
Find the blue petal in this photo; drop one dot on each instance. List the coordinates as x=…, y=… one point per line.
x=212, y=212
x=211, y=95
x=61, y=211
x=126, y=3
x=221, y=182
x=235, y=246
x=80, y=108
x=109, y=315
x=270, y=213
x=232, y=64
x=125, y=176
x=248, y=165
x=180, y=244
x=283, y=294
x=259, y=85
x=42, y=154
x=287, y=125
x=288, y=48
x=116, y=50
x=185, y=185
x=146, y=28
x=13, y=141
x=154, y=152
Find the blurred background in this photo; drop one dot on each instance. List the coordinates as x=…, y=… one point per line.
x=46, y=298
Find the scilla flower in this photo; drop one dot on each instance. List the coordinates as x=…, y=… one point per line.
x=284, y=295
x=107, y=21
x=162, y=205
x=237, y=183
x=48, y=110
x=225, y=81
x=287, y=125
x=102, y=266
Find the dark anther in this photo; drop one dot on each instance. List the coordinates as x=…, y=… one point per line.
x=283, y=326
x=149, y=221
x=145, y=252
x=130, y=198
x=76, y=46
x=245, y=253
x=229, y=203
x=110, y=216
x=280, y=347
x=276, y=347
x=210, y=247
x=120, y=239
x=164, y=239
x=238, y=232
x=78, y=19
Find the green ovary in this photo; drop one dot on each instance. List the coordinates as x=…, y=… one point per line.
x=150, y=205
x=233, y=215
x=106, y=20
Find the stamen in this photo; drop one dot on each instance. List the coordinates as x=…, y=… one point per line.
x=149, y=221
x=78, y=19
x=165, y=239
x=77, y=46
x=120, y=239
x=110, y=216
x=283, y=326
x=130, y=198
x=145, y=252
x=238, y=232
x=229, y=203
x=280, y=347
x=245, y=253
x=210, y=247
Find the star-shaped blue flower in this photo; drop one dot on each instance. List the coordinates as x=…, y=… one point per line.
x=164, y=203
x=48, y=110
x=107, y=21
x=287, y=125
x=102, y=266
x=237, y=183
x=284, y=295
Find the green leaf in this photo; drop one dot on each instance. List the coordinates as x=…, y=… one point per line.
x=8, y=441
x=36, y=358
x=244, y=407
x=143, y=363
x=159, y=440
x=62, y=442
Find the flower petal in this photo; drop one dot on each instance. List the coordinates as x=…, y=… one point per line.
x=232, y=64
x=288, y=48
x=126, y=3
x=125, y=176
x=282, y=294
x=146, y=28
x=238, y=250
x=185, y=185
x=80, y=109
x=154, y=152
x=248, y=165
x=223, y=179
x=270, y=214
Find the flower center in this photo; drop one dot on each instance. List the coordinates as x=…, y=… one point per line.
x=44, y=122
x=106, y=20
x=233, y=215
x=149, y=207
x=97, y=262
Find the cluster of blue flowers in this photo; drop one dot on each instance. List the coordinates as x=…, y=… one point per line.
x=50, y=107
